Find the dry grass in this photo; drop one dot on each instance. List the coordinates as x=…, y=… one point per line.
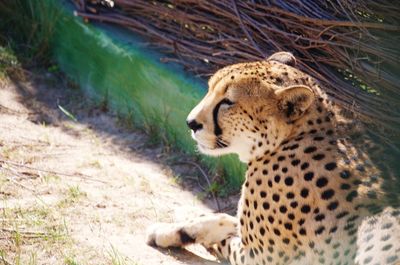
x=82, y=191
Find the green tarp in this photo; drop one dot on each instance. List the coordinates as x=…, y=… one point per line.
x=111, y=64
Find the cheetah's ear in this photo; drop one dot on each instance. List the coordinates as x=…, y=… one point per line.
x=293, y=101
x=283, y=57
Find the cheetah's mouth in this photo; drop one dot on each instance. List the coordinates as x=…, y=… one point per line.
x=214, y=149
x=210, y=145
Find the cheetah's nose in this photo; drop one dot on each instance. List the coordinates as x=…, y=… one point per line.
x=194, y=125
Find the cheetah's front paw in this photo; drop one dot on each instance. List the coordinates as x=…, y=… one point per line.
x=167, y=235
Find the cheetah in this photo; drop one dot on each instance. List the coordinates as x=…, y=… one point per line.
x=307, y=197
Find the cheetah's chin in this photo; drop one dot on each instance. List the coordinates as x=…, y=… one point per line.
x=215, y=151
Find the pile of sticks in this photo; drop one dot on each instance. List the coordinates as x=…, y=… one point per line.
x=352, y=46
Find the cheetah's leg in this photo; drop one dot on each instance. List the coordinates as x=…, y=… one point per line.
x=232, y=249
x=217, y=232
x=379, y=239
x=206, y=230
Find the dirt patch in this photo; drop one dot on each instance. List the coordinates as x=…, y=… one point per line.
x=77, y=187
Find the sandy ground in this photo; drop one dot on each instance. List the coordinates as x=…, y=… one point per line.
x=83, y=192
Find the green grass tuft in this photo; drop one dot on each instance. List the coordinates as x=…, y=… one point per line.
x=9, y=64
x=28, y=28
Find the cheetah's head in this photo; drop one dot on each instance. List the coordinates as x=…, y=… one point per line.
x=251, y=108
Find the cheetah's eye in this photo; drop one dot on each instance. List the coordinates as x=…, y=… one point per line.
x=226, y=101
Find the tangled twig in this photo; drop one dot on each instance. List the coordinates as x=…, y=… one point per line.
x=25, y=233
x=351, y=46
x=79, y=175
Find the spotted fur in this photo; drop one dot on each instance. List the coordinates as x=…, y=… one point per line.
x=309, y=197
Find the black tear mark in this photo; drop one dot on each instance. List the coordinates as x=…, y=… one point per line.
x=185, y=238
x=217, y=129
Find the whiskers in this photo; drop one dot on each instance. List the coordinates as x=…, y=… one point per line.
x=220, y=143
x=208, y=142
